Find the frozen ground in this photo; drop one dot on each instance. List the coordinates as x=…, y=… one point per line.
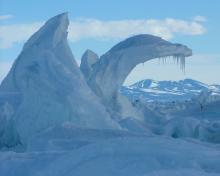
x=66, y=150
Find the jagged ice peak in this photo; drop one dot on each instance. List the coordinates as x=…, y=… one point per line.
x=52, y=33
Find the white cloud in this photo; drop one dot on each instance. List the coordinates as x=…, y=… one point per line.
x=5, y=17
x=15, y=33
x=199, y=18
x=167, y=28
x=97, y=29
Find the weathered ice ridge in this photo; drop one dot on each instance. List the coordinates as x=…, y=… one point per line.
x=111, y=70
x=45, y=87
x=50, y=87
x=88, y=60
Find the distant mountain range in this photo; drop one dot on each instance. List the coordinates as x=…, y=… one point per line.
x=166, y=91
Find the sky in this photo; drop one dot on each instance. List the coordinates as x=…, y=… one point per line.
x=98, y=25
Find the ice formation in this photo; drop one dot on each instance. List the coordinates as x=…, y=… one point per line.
x=74, y=122
x=50, y=86
x=179, y=60
x=89, y=58
x=111, y=70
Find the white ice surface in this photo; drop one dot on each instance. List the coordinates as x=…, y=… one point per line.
x=113, y=153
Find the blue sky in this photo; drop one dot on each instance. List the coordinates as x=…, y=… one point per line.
x=99, y=24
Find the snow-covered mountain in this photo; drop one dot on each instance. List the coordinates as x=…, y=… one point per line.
x=166, y=91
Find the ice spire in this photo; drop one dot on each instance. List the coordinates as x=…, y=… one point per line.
x=53, y=32
x=89, y=58
x=51, y=86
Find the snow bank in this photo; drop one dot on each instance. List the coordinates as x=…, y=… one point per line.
x=124, y=156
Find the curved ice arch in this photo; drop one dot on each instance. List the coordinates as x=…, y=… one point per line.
x=111, y=70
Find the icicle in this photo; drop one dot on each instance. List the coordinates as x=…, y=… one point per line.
x=159, y=60
x=162, y=60
x=180, y=61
